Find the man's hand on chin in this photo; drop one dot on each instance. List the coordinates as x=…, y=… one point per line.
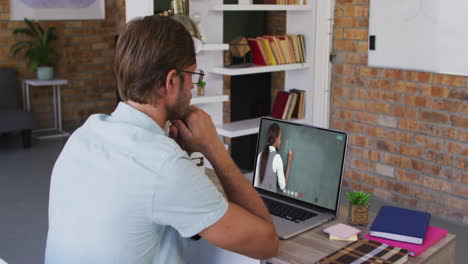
x=196, y=132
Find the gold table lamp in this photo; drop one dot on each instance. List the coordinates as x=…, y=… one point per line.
x=181, y=16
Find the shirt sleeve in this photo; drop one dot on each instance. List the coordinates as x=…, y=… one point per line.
x=278, y=169
x=185, y=198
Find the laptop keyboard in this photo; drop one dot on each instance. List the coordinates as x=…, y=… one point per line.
x=286, y=211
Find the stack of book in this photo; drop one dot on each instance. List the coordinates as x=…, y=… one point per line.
x=342, y=232
x=400, y=224
x=289, y=105
x=274, y=50
x=366, y=251
x=405, y=228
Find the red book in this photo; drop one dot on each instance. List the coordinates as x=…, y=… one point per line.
x=257, y=56
x=433, y=234
x=280, y=104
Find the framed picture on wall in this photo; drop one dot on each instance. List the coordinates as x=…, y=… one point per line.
x=57, y=9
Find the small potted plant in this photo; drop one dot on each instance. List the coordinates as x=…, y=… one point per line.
x=41, y=55
x=201, y=88
x=358, y=207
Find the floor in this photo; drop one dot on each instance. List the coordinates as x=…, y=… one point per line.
x=24, y=191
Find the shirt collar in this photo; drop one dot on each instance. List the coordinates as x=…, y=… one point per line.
x=129, y=114
x=272, y=148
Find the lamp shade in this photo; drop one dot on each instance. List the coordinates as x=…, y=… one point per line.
x=187, y=22
x=192, y=29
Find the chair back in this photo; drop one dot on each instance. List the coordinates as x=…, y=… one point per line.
x=8, y=95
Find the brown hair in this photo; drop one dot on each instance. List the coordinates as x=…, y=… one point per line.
x=146, y=51
x=273, y=133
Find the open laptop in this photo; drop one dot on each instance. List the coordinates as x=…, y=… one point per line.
x=309, y=194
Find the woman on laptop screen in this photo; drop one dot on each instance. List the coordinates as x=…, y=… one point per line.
x=270, y=173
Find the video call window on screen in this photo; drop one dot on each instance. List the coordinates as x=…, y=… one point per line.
x=315, y=167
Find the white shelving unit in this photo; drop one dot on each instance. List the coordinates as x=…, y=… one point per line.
x=262, y=8
x=239, y=128
x=315, y=25
x=244, y=127
x=208, y=98
x=259, y=69
x=214, y=47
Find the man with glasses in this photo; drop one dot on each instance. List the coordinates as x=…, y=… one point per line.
x=124, y=192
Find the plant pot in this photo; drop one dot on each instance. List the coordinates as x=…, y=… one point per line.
x=357, y=214
x=200, y=90
x=45, y=73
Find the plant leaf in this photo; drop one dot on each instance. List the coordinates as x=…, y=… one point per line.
x=24, y=31
x=17, y=47
x=358, y=197
x=49, y=36
x=41, y=30
x=32, y=27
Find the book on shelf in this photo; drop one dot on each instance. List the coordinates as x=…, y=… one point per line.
x=257, y=55
x=291, y=48
x=296, y=46
x=268, y=50
x=292, y=104
x=302, y=43
x=289, y=105
x=286, y=49
x=261, y=46
x=280, y=104
x=298, y=111
x=274, y=50
x=400, y=224
x=286, y=105
x=367, y=251
x=433, y=235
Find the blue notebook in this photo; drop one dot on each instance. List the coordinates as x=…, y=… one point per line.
x=401, y=224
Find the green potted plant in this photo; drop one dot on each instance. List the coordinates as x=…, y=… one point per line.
x=37, y=48
x=358, y=207
x=201, y=88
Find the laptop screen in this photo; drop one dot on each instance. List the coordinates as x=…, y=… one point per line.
x=303, y=163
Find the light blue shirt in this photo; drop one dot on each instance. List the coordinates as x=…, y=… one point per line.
x=123, y=192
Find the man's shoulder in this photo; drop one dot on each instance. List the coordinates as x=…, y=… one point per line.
x=143, y=145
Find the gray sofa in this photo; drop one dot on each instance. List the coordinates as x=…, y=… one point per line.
x=12, y=117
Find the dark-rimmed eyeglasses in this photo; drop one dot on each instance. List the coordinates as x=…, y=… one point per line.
x=197, y=75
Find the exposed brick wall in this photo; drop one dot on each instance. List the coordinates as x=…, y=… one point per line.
x=408, y=130
x=86, y=60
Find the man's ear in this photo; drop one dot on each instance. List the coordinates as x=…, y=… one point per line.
x=170, y=81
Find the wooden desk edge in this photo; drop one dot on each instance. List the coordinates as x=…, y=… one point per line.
x=447, y=243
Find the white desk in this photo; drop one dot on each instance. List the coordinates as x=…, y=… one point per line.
x=56, y=100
